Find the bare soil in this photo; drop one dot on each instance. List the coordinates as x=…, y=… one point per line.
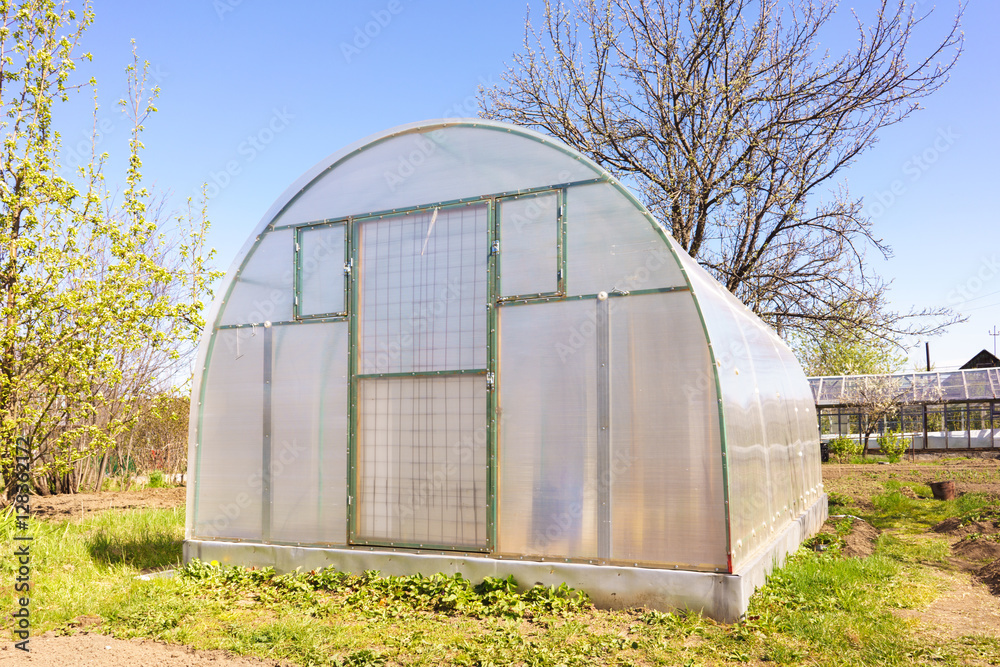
x=77, y=505
x=84, y=649
x=860, y=542
x=970, y=600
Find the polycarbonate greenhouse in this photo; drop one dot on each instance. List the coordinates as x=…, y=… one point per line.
x=461, y=346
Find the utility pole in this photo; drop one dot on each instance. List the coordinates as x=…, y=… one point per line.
x=994, y=333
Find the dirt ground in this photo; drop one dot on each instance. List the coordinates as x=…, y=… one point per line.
x=92, y=650
x=970, y=599
x=70, y=506
x=969, y=602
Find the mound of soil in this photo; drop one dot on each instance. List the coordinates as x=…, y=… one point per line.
x=990, y=575
x=953, y=526
x=980, y=549
x=860, y=542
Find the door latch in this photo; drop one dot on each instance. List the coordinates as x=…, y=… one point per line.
x=490, y=380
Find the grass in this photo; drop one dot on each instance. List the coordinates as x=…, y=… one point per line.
x=819, y=608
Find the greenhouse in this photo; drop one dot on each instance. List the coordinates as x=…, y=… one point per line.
x=460, y=346
x=933, y=410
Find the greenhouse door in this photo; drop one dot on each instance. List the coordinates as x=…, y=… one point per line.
x=419, y=464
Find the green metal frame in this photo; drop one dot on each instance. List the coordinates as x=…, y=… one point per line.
x=559, y=192
x=354, y=249
x=583, y=297
x=422, y=374
x=352, y=391
x=493, y=368
x=297, y=273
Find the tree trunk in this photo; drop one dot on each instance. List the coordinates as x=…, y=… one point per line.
x=100, y=471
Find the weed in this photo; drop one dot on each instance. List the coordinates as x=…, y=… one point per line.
x=844, y=448
x=157, y=480
x=892, y=445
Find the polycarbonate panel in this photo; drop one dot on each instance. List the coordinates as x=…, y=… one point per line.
x=977, y=383
x=548, y=483
x=422, y=461
x=321, y=270
x=815, y=384
x=953, y=386
x=309, y=426
x=612, y=245
x=529, y=245
x=434, y=166
x=666, y=464
x=423, y=291
x=230, y=453
x=752, y=367
x=263, y=291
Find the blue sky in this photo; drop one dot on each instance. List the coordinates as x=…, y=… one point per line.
x=255, y=93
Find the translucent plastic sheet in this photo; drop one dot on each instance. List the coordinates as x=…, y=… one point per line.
x=230, y=454
x=264, y=289
x=423, y=291
x=548, y=495
x=430, y=167
x=529, y=250
x=666, y=470
x=309, y=426
x=321, y=270
x=753, y=370
x=422, y=461
x=611, y=245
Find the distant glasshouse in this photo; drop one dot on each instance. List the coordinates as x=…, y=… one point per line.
x=935, y=410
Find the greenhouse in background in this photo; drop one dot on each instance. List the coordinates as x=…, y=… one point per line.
x=934, y=410
x=461, y=346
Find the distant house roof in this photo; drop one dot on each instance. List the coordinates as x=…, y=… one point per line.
x=982, y=360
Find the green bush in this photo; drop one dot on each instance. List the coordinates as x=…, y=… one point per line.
x=844, y=448
x=157, y=480
x=893, y=446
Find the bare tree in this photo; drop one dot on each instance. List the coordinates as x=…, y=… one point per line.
x=734, y=122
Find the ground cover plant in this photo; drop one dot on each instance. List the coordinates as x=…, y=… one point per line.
x=822, y=607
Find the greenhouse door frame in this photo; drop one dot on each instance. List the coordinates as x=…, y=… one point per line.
x=357, y=376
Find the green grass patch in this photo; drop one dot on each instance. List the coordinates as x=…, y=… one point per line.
x=819, y=608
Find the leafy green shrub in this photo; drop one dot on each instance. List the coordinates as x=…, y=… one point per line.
x=157, y=480
x=893, y=446
x=844, y=448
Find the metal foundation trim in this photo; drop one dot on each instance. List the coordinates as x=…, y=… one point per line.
x=723, y=597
